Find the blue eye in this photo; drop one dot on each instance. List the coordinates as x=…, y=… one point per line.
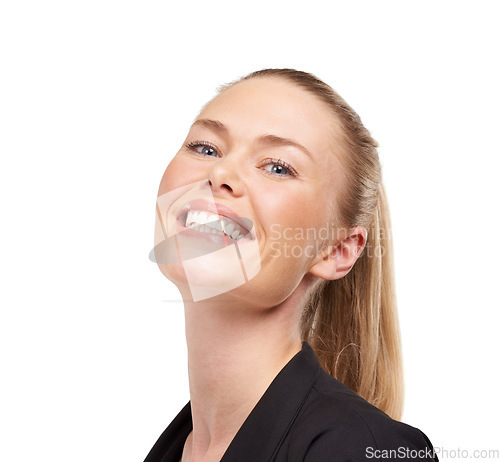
x=203, y=148
x=279, y=168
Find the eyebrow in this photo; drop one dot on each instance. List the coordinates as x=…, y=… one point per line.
x=271, y=140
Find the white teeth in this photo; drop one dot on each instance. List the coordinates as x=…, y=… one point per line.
x=229, y=229
x=206, y=222
x=202, y=217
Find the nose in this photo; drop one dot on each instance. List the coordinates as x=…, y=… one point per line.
x=224, y=176
x=222, y=186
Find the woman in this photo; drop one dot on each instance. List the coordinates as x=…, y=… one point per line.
x=273, y=223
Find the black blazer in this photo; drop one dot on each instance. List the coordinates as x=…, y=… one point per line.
x=306, y=415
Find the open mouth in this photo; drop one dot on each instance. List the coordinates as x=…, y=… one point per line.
x=208, y=220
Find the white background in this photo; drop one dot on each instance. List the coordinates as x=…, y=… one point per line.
x=97, y=96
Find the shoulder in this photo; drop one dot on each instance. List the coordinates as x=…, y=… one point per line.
x=337, y=424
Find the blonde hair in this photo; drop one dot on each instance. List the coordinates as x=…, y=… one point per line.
x=352, y=323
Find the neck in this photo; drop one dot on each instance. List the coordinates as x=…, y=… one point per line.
x=235, y=350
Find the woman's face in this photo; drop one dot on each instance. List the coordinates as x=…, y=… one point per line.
x=265, y=147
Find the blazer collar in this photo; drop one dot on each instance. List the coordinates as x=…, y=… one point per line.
x=266, y=426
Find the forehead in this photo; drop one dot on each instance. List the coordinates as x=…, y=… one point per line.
x=275, y=106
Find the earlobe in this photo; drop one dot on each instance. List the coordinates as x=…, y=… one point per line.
x=336, y=261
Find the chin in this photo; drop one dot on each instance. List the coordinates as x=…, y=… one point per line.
x=174, y=273
x=203, y=279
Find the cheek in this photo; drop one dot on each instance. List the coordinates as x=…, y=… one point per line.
x=286, y=212
x=296, y=228
x=178, y=173
x=169, y=179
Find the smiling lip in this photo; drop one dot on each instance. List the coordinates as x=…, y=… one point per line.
x=216, y=208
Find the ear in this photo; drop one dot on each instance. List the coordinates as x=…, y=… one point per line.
x=334, y=262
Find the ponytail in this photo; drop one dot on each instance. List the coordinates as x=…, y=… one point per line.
x=352, y=323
